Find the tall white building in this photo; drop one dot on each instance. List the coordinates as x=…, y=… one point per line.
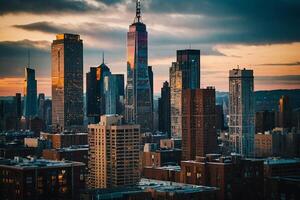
x=241, y=111
x=113, y=153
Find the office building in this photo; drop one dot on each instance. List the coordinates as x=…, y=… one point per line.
x=67, y=82
x=189, y=62
x=184, y=74
x=264, y=121
x=199, y=136
x=113, y=153
x=10, y=113
x=138, y=104
x=150, y=74
x=285, y=113
x=164, y=109
x=175, y=100
x=114, y=94
x=40, y=179
x=219, y=118
x=30, y=94
x=95, y=89
x=41, y=106
x=241, y=111
x=236, y=178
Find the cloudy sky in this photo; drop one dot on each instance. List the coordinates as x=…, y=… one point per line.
x=261, y=35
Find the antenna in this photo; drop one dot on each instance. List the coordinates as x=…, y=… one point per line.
x=28, y=58
x=103, y=57
x=138, y=10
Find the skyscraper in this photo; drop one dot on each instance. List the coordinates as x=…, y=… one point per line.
x=189, y=62
x=199, y=136
x=138, y=106
x=113, y=153
x=176, y=98
x=114, y=94
x=184, y=74
x=150, y=73
x=164, y=109
x=41, y=106
x=30, y=94
x=95, y=99
x=241, y=111
x=285, y=112
x=67, y=82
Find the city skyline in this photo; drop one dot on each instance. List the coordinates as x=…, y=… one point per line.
x=218, y=29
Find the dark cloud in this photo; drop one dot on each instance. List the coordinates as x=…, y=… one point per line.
x=281, y=64
x=255, y=21
x=44, y=6
x=14, y=57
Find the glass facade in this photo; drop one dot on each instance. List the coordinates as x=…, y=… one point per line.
x=241, y=111
x=138, y=107
x=30, y=94
x=184, y=74
x=67, y=82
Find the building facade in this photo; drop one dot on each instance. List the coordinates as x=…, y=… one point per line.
x=67, y=82
x=95, y=89
x=41, y=106
x=199, y=136
x=184, y=74
x=138, y=105
x=30, y=94
x=164, y=109
x=114, y=94
x=241, y=111
x=40, y=179
x=113, y=153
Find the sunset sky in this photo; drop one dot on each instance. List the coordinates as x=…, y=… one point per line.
x=263, y=35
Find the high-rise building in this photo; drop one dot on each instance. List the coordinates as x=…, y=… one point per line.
x=95, y=98
x=285, y=113
x=48, y=112
x=18, y=101
x=67, y=82
x=150, y=74
x=189, y=62
x=114, y=94
x=175, y=100
x=264, y=121
x=113, y=153
x=41, y=106
x=30, y=94
x=164, y=110
x=184, y=74
x=138, y=106
x=219, y=117
x=241, y=111
x=199, y=136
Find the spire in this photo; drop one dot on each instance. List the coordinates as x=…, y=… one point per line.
x=103, y=57
x=138, y=11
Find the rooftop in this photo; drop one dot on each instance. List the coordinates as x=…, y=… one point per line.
x=148, y=184
x=167, y=186
x=31, y=163
x=169, y=167
x=281, y=161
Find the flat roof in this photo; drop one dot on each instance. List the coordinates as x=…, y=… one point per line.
x=169, y=167
x=23, y=163
x=281, y=161
x=167, y=186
